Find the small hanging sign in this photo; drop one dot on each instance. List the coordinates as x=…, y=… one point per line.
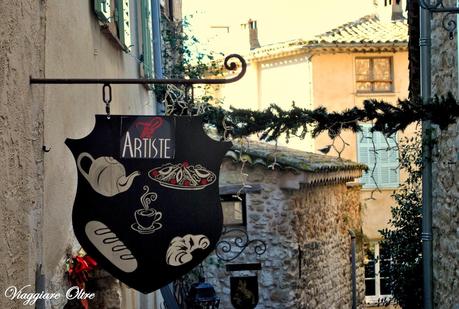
x=147, y=206
x=244, y=291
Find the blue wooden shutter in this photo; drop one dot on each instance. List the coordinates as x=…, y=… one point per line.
x=124, y=23
x=147, y=43
x=386, y=172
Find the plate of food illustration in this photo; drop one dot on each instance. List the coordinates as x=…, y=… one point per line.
x=182, y=176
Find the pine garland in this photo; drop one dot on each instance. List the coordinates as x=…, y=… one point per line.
x=272, y=122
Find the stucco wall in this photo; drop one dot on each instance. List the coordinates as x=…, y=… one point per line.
x=337, y=92
x=445, y=174
x=59, y=39
x=313, y=220
x=21, y=157
x=76, y=47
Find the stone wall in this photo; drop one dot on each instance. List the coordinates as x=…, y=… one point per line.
x=21, y=156
x=307, y=262
x=445, y=173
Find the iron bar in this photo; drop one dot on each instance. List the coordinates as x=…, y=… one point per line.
x=229, y=65
x=426, y=236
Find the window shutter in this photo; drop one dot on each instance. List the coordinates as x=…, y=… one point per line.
x=386, y=172
x=124, y=23
x=147, y=43
x=102, y=9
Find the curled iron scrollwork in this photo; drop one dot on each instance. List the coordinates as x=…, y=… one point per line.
x=437, y=6
x=235, y=241
x=449, y=24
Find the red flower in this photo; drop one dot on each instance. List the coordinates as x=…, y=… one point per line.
x=203, y=181
x=186, y=164
x=173, y=181
x=154, y=173
x=186, y=183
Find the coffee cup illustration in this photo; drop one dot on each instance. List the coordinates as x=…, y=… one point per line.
x=147, y=218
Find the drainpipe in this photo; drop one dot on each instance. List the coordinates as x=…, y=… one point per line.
x=157, y=50
x=426, y=236
x=353, y=271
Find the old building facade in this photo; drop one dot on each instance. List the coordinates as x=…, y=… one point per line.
x=303, y=208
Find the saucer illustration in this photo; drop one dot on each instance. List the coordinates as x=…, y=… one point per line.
x=147, y=218
x=140, y=229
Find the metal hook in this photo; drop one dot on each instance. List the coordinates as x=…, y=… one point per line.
x=107, y=99
x=189, y=99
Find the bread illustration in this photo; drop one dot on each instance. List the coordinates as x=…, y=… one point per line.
x=180, y=248
x=110, y=246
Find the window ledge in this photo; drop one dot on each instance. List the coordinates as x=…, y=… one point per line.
x=376, y=94
x=382, y=189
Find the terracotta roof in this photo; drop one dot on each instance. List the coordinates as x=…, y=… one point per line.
x=286, y=158
x=368, y=29
x=366, y=32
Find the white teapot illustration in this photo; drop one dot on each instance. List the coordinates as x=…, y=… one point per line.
x=106, y=175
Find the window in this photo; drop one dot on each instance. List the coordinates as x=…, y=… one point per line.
x=384, y=160
x=146, y=44
x=377, y=273
x=234, y=211
x=115, y=19
x=374, y=74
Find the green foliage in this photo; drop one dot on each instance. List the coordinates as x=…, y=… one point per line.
x=404, y=238
x=184, y=57
x=387, y=118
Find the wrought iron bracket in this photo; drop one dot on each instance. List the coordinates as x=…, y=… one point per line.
x=448, y=23
x=235, y=241
x=228, y=63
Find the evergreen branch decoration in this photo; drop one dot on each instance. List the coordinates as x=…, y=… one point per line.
x=272, y=122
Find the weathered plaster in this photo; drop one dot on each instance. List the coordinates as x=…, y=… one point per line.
x=21, y=157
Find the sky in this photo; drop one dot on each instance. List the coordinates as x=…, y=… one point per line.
x=277, y=20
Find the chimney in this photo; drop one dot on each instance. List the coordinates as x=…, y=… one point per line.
x=397, y=10
x=253, y=34
x=389, y=10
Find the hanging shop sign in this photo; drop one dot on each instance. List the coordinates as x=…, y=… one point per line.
x=147, y=206
x=244, y=291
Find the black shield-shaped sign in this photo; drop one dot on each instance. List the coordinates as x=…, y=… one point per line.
x=244, y=292
x=147, y=206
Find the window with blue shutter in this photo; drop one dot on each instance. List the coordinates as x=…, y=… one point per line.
x=115, y=21
x=124, y=23
x=386, y=171
x=147, y=42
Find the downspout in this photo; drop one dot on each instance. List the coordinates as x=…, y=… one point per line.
x=157, y=50
x=353, y=271
x=426, y=236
